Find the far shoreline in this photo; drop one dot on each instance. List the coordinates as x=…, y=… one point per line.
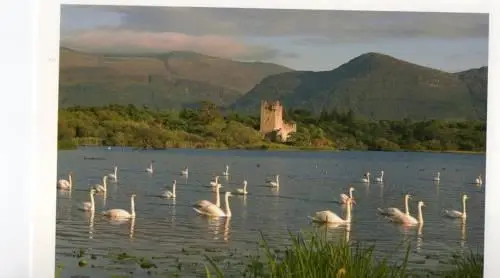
x=283, y=148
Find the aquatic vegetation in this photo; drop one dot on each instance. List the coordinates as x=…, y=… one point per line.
x=470, y=265
x=82, y=263
x=308, y=255
x=59, y=268
x=318, y=257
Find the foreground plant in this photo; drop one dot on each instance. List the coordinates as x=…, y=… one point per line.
x=318, y=257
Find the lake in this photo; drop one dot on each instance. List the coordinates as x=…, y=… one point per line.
x=176, y=237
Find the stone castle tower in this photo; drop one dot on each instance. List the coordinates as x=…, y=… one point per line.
x=271, y=119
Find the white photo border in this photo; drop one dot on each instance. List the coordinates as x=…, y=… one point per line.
x=29, y=73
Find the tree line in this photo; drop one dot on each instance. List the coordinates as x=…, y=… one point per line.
x=209, y=127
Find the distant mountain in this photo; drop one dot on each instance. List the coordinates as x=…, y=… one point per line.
x=376, y=86
x=477, y=82
x=169, y=80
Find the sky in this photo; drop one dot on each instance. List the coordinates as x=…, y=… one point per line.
x=299, y=39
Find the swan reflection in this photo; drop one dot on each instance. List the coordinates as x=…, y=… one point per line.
x=91, y=223
x=347, y=236
x=64, y=207
x=463, y=234
x=244, y=197
x=64, y=193
x=214, y=225
x=173, y=213
x=420, y=239
x=104, y=198
x=406, y=231
x=132, y=228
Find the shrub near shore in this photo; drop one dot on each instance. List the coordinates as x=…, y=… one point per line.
x=207, y=127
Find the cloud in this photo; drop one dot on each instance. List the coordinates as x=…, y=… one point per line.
x=130, y=41
x=333, y=26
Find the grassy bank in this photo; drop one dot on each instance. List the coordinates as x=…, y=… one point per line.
x=318, y=257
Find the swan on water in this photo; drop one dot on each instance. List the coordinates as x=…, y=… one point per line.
x=170, y=194
x=394, y=211
x=185, y=172
x=89, y=206
x=215, y=182
x=204, y=203
x=381, y=178
x=114, y=175
x=479, y=180
x=456, y=213
x=65, y=184
x=437, y=177
x=407, y=219
x=121, y=213
x=366, y=178
x=226, y=172
x=99, y=188
x=150, y=168
x=215, y=211
x=344, y=197
x=242, y=191
x=275, y=182
x=327, y=216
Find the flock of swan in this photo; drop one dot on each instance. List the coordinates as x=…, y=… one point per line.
x=210, y=209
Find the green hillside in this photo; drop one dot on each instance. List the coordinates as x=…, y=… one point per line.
x=477, y=82
x=170, y=80
x=376, y=86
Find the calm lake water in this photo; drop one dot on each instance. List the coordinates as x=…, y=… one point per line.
x=175, y=237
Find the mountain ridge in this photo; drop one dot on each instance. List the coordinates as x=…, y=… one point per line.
x=164, y=80
x=373, y=85
x=376, y=86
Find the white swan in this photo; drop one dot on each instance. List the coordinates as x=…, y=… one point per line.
x=389, y=212
x=226, y=172
x=102, y=187
x=242, y=191
x=366, y=178
x=170, y=194
x=344, y=197
x=121, y=213
x=114, y=175
x=479, y=180
x=437, y=177
x=89, y=206
x=204, y=203
x=215, y=211
x=99, y=188
x=458, y=214
x=65, y=184
x=381, y=178
x=408, y=219
x=185, y=172
x=327, y=216
x=276, y=182
x=150, y=168
x=215, y=182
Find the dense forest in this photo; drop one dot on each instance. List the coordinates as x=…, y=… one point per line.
x=207, y=127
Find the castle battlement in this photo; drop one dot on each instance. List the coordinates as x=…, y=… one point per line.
x=271, y=119
x=271, y=105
